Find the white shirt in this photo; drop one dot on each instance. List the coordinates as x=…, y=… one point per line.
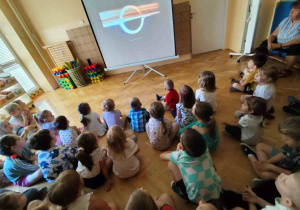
x=94, y=126
x=97, y=156
x=81, y=203
x=127, y=164
x=251, y=129
x=286, y=32
x=209, y=97
x=277, y=206
x=267, y=92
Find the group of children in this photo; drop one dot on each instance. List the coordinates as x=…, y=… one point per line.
x=71, y=158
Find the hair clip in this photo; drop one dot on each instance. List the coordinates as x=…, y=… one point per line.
x=81, y=149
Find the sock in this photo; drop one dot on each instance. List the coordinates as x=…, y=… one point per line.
x=250, y=155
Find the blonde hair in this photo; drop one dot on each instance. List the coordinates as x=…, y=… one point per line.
x=2, y=132
x=40, y=118
x=12, y=107
x=207, y=81
x=270, y=73
x=140, y=199
x=157, y=111
x=170, y=84
x=116, y=140
x=108, y=105
x=65, y=188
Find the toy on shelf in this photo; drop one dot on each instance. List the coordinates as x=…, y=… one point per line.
x=94, y=72
x=64, y=78
x=8, y=94
x=2, y=99
x=36, y=94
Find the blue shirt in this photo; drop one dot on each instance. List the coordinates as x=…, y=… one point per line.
x=286, y=33
x=56, y=160
x=138, y=119
x=16, y=168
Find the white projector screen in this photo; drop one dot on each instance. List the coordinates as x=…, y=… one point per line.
x=132, y=32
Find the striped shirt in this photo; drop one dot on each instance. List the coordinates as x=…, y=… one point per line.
x=14, y=168
x=288, y=33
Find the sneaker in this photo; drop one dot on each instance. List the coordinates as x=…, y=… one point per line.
x=257, y=182
x=232, y=80
x=269, y=116
x=241, y=74
x=291, y=110
x=272, y=110
x=248, y=150
x=134, y=138
x=179, y=192
x=158, y=97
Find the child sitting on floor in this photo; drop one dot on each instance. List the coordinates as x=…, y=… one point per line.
x=206, y=125
x=67, y=193
x=7, y=128
x=247, y=84
x=269, y=162
x=45, y=120
x=184, y=107
x=52, y=159
x=19, y=118
x=266, y=77
x=160, y=131
x=141, y=199
x=249, y=129
x=93, y=165
x=112, y=116
x=68, y=134
x=171, y=99
x=137, y=115
x=91, y=120
x=123, y=152
x=289, y=188
x=200, y=183
x=26, y=109
x=207, y=90
x=19, y=165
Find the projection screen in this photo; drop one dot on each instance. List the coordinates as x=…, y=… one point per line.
x=132, y=32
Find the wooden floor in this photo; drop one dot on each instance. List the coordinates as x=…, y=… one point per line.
x=232, y=166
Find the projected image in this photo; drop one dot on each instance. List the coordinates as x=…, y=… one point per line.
x=119, y=17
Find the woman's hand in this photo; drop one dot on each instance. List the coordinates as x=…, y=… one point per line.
x=249, y=195
x=270, y=46
x=275, y=46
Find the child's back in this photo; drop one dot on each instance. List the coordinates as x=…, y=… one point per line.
x=94, y=126
x=125, y=162
x=68, y=134
x=137, y=119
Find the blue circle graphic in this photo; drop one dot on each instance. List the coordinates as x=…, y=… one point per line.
x=122, y=24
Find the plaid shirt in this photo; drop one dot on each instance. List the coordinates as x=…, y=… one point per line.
x=138, y=119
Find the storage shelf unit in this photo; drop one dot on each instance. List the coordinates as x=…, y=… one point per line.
x=22, y=96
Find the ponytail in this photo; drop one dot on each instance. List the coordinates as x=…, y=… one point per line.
x=85, y=121
x=86, y=143
x=85, y=159
x=163, y=127
x=211, y=127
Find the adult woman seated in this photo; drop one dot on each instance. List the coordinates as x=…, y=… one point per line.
x=286, y=38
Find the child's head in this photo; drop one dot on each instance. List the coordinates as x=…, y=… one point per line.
x=14, y=110
x=66, y=188
x=12, y=200
x=257, y=106
x=44, y=117
x=257, y=61
x=266, y=75
x=116, y=139
x=108, y=105
x=203, y=111
x=84, y=109
x=140, y=199
x=187, y=96
x=193, y=142
x=289, y=188
x=42, y=140
x=157, y=111
x=61, y=123
x=135, y=103
x=169, y=84
x=5, y=127
x=11, y=145
x=290, y=132
x=207, y=81
x=87, y=143
x=20, y=103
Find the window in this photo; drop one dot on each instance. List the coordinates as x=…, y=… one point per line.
x=9, y=63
